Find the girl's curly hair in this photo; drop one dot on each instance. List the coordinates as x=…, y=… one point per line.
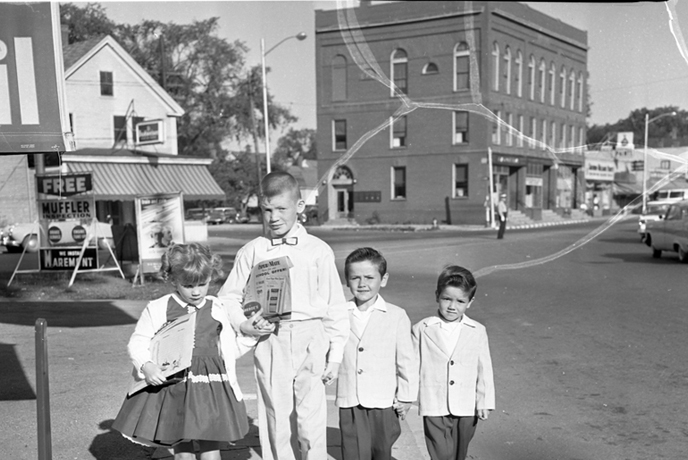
x=190, y=264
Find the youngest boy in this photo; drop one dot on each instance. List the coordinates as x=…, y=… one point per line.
x=378, y=377
x=456, y=382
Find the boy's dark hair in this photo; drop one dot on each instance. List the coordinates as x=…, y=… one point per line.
x=278, y=182
x=190, y=264
x=363, y=254
x=459, y=277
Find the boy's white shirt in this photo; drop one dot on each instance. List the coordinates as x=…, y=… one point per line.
x=360, y=318
x=379, y=365
x=450, y=332
x=316, y=290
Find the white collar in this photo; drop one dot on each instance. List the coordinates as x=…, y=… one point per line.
x=379, y=304
x=437, y=321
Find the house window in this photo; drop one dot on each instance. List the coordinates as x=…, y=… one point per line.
x=531, y=78
x=572, y=90
x=430, y=68
x=521, y=133
x=552, y=73
x=519, y=74
x=399, y=133
x=562, y=87
x=533, y=131
x=543, y=133
x=462, y=67
x=120, y=133
x=495, y=56
x=497, y=129
x=460, y=127
x=339, y=78
x=510, y=122
x=399, y=71
x=507, y=70
x=580, y=92
x=460, y=181
x=106, y=86
x=665, y=164
x=339, y=134
x=399, y=182
x=541, y=80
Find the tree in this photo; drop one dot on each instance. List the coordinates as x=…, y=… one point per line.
x=294, y=147
x=663, y=132
x=237, y=176
x=87, y=22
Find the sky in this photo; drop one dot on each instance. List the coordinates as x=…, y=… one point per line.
x=634, y=60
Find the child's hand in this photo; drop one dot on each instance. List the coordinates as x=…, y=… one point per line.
x=483, y=414
x=401, y=408
x=153, y=373
x=330, y=374
x=256, y=325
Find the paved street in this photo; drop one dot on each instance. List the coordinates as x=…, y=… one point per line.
x=583, y=346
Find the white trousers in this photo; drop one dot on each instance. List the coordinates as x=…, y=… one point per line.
x=292, y=409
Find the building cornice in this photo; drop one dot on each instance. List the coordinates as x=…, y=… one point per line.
x=72, y=158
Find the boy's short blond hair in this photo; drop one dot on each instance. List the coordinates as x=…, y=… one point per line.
x=278, y=182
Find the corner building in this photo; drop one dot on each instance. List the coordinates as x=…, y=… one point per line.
x=525, y=67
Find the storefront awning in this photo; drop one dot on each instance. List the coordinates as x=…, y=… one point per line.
x=621, y=188
x=125, y=181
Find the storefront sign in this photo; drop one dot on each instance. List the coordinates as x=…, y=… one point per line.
x=507, y=160
x=69, y=209
x=160, y=223
x=67, y=258
x=150, y=132
x=33, y=115
x=599, y=170
x=64, y=184
x=534, y=181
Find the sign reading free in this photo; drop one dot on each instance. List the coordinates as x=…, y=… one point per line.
x=64, y=184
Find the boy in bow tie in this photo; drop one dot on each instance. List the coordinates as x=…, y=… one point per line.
x=456, y=381
x=294, y=361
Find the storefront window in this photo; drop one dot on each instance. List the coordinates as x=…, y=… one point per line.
x=564, y=197
x=534, y=182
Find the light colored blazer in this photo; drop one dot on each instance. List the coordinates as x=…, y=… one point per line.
x=458, y=382
x=154, y=316
x=380, y=365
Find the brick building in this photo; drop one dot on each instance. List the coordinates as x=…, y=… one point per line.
x=525, y=67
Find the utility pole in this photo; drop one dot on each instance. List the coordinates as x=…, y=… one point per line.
x=254, y=130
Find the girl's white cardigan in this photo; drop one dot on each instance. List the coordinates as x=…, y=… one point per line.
x=232, y=344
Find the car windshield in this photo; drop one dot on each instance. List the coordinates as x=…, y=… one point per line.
x=655, y=210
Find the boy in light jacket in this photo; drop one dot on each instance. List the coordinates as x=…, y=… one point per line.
x=378, y=377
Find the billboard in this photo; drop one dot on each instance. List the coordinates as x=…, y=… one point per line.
x=33, y=115
x=150, y=132
x=160, y=223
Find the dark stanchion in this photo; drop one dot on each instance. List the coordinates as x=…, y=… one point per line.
x=43, y=391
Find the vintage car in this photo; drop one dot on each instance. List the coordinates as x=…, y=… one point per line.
x=226, y=215
x=20, y=236
x=670, y=233
x=654, y=210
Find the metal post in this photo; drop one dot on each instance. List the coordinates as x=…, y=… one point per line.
x=265, y=106
x=647, y=122
x=491, y=180
x=43, y=392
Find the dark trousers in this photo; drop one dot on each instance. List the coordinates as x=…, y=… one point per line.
x=368, y=434
x=502, y=227
x=447, y=437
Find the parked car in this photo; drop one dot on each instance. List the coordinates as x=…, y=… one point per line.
x=227, y=215
x=670, y=233
x=655, y=210
x=196, y=214
x=16, y=237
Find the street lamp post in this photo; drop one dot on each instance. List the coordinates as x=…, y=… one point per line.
x=300, y=36
x=649, y=120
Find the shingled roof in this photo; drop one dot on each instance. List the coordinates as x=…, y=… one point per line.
x=72, y=53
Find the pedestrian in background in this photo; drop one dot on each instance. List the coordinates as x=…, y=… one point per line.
x=456, y=381
x=202, y=403
x=378, y=378
x=502, y=211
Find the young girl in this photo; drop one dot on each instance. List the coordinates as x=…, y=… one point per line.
x=205, y=405
x=456, y=380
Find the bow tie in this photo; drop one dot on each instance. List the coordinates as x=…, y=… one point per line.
x=291, y=241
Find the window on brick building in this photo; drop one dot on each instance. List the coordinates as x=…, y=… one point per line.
x=460, y=181
x=519, y=74
x=462, y=67
x=460, y=127
x=533, y=132
x=543, y=135
x=580, y=91
x=339, y=135
x=572, y=90
x=562, y=87
x=495, y=63
x=507, y=70
x=531, y=78
x=398, y=138
x=553, y=135
x=106, y=84
x=497, y=129
x=521, y=131
x=339, y=78
x=552, y=80
x=542, y=72
x=510, y=122
x=398, y=182
x=430, y=68
x=399, y=71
